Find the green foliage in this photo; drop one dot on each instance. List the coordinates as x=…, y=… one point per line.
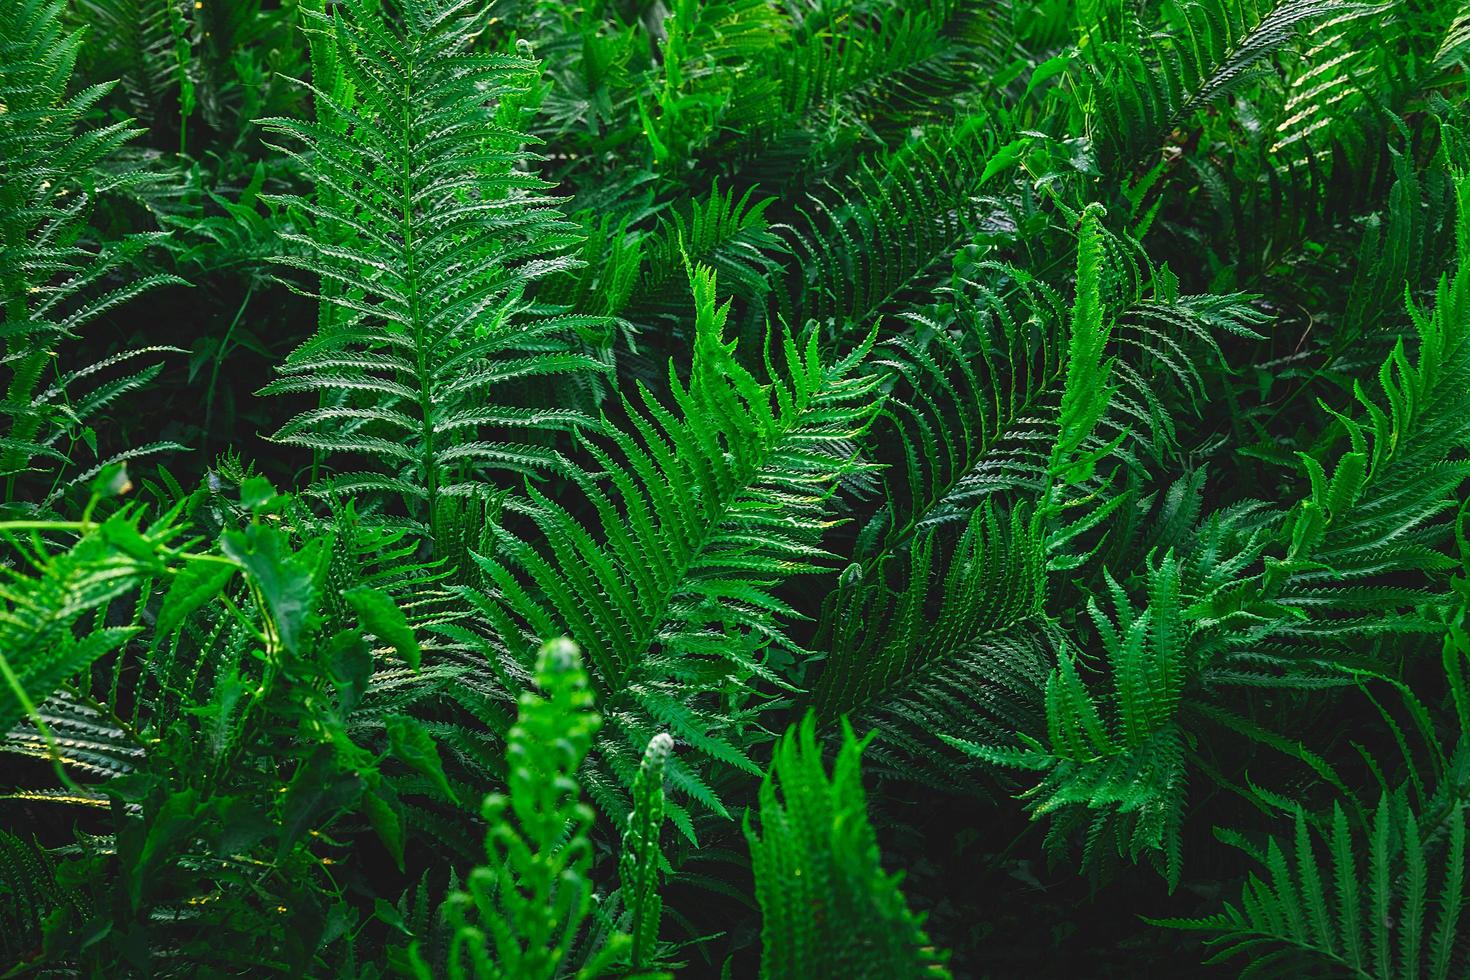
x=1073, y=396
x=638, y=864
x=1087, y=392
x=522, y=913
x=711, y=505
x=426, y=232
x=50, y=615
x=961, y=648
x=53, y=281
x=1143, y=87
x=1128, y=761
x=828, y=907
x=1376, y=906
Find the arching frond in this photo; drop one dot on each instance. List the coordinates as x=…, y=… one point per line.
x=55, y=280
x=706, y=506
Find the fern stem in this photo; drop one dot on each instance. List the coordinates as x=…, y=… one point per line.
x=415, y=314
x=219, y=359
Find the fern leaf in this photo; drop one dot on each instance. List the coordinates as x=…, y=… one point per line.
x=52, y=281
x=1268, y=924
x=828, y=908
x=707, y=507
x=428, y=234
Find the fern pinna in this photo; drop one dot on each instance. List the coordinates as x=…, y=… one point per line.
x=803, y=489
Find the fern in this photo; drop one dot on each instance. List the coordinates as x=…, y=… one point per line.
x=136, y=47
x=1145, y=86
x=53, y=280
x=1134, y=763
x=49, y=624
x=32, y=893
x=427, y=234
x=1372, y=514
x=963, y=648
x=729, y=234
x=521, y=914
x=1395, y=915
x=707, y=508
x=890, y=227
x=828, y=908
x=975, y=409
x=1106, y=550
x=1087, y=392
x=638, y=864
x=956, y=457
x=1129, y=762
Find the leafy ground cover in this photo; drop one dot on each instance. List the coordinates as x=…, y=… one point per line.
x=782, y=488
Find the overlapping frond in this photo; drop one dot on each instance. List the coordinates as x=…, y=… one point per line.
x=1370, y=529
x=1384, y=902
x=1149, y=78
x=1227, y=610
x=705, y=507
x=31, y=893
x=54, y=278
x=960, y=647
x=893, y=223
x=1121, y=756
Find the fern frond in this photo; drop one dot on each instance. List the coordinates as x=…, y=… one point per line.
x=961, y=649
x=1372, y=513
x=638, y=863
x=54, y=281
x=1125, y=762
x=887, y=228
x=975, y=405
x=828, y=908
x=705, y=508
x=1301, y=917
x=1148, y=79
x=134, y=44
x=520, y=915
x=427, y=233
x=729, y=234
x=79, y=733
x=31, y=893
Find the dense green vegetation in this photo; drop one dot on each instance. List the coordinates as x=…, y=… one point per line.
x=782, y=488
